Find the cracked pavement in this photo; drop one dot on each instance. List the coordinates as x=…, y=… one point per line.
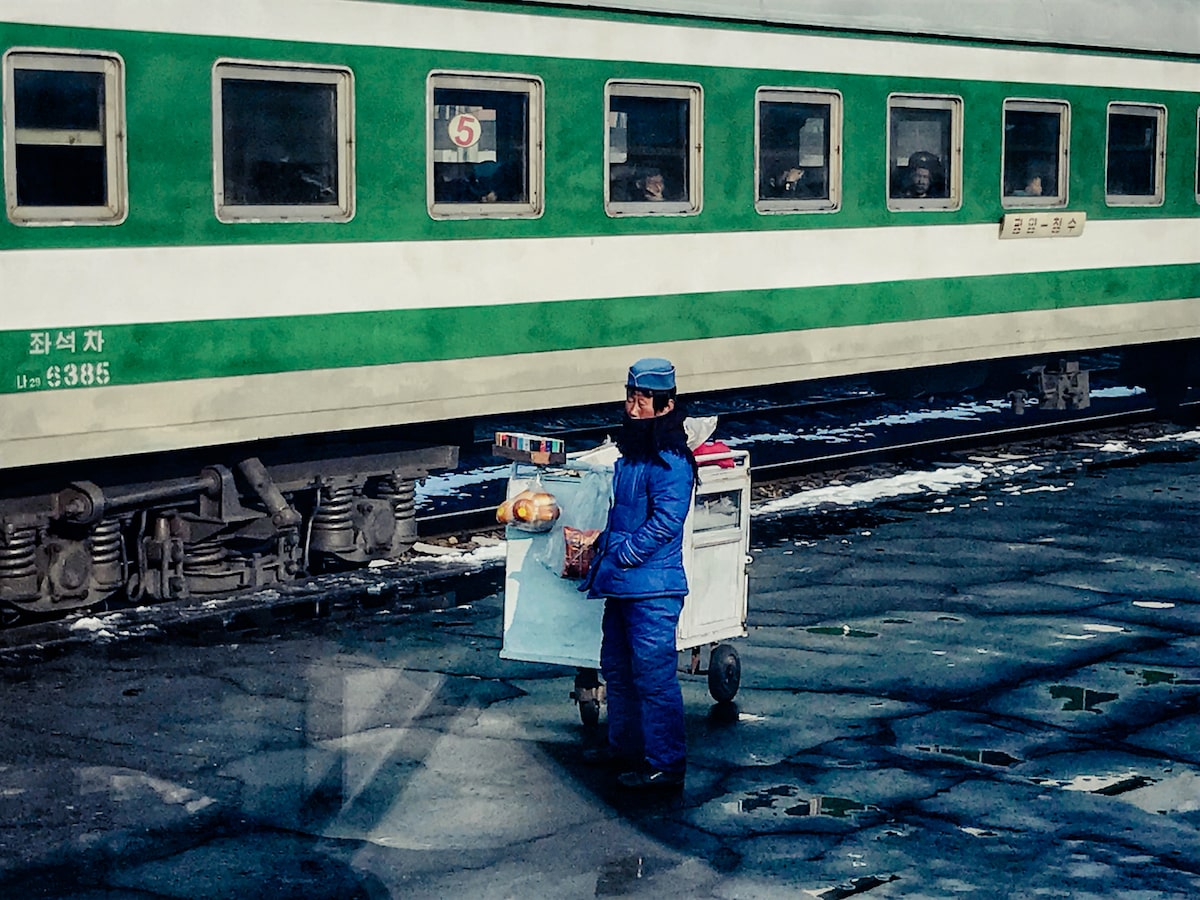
x=998, y=700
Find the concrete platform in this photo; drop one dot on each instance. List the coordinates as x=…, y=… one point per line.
x=994, y=692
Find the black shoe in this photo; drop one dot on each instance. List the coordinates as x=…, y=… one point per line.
x=651, y=781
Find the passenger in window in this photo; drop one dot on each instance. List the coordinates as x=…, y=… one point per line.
x=481, y=184
x=920, y=182
x=798, y=183
x=923, y=177
x=484, y=182
x=1033, y=187
x=649, y=187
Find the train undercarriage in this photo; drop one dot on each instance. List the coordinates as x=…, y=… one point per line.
x=1165, y=371
x=221, y=529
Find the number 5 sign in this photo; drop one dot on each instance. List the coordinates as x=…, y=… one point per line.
x=465, y=130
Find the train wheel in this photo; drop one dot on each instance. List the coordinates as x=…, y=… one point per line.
x=724, y=673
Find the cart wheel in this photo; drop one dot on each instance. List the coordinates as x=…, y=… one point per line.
x=589, y=712
x=587, y=694
x=724, y=673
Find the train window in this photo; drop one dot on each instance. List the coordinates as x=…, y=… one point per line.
x=1135, y=157
x=798, y=136
x=653, y=152
x=64, y=137
x=924, y=152
x=283, y=136
x=484, y=146
x=1035, y=153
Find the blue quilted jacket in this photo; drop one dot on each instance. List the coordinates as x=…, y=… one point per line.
x=640, y=553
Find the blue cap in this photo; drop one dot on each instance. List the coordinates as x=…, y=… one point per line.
x=652, y=375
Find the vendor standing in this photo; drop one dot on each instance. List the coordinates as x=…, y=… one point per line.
x=639, y=573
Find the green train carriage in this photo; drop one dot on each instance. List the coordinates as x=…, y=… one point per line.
x=260, y=261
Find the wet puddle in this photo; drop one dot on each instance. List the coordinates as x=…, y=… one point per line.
x=1081, y=699
x=1150, y=676
x=1157, y=676
x=1177, y=793
x=979, y=832
x=837, y=807
x=986, y=757
x=1171, y=793
x=1166, y=794
x=843, y=630
x=1104, y=785
x=786, y=798
x=1132, y=783
x=852, y=887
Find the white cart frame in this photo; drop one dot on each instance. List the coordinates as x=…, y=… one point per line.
x=548, y=619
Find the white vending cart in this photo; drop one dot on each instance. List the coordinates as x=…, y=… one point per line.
x=548, y=619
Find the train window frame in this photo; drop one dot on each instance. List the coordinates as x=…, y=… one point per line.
x=110, y=135
x=1015, y=199
x=533, y=88
x=952, y=201
x=693, y=94
x=1150, y=110
x=833, y=150
x=341, y=78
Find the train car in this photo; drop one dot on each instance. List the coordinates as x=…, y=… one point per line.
x=261, y=261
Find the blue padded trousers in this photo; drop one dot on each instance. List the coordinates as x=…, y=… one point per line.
x=638, y=661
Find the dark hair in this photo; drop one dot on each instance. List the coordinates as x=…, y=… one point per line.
x=649, y=439
x=923, y=159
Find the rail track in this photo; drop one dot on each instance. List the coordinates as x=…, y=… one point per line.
x=770, y=470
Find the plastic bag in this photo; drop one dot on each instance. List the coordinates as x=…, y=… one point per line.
x=579, y=548
x=602, y=456
x=534, y=509
x=699, y=429
x=585, y=506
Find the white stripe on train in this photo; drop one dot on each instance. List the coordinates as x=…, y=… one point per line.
x=95, y=287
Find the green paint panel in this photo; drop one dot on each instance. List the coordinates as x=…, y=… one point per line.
x=140, y=354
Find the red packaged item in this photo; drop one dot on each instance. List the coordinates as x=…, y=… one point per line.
x=580, y=548
x=710, y=448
